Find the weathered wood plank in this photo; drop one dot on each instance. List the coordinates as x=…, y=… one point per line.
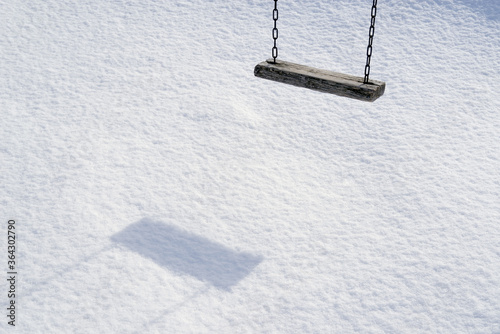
x=320, y=80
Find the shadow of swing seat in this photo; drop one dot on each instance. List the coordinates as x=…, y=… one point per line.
x=186, y=253
x=320, y=80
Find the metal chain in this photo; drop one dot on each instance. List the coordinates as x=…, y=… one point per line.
x=275, y=31
x=370, y=42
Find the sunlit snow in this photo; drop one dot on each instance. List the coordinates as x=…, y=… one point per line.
x=159, y=187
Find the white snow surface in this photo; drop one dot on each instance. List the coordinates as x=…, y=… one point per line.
x=159, y=187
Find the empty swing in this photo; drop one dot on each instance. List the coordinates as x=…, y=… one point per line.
x=361, y=88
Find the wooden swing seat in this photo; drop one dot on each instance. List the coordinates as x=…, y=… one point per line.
x=320, y=80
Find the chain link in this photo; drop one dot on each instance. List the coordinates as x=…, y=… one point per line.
x=369, y=49
x=275, y=31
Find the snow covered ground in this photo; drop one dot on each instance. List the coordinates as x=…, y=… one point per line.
x=159, y=187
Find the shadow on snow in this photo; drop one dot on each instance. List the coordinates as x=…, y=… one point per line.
x=187, y=253
x=488, y=8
